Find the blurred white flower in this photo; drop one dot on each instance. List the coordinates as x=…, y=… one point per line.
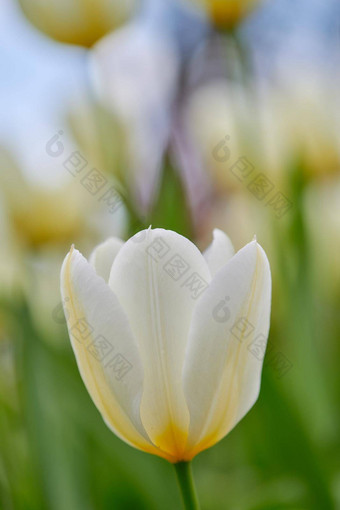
x=215, y=116
x=274, y=129
x=307, y=114
x=135, y=75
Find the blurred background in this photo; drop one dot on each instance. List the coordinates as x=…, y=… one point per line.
x=188, y=115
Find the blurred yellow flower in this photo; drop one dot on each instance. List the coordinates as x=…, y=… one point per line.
x=307, y=114
x=47, y=216
x=322, y=212
x=273, y=131
x=37, y=224
x=39, y=215
x=225, y=14
x=80, y=22
x=163, y=354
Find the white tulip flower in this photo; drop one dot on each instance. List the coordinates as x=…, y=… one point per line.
x=169, y=342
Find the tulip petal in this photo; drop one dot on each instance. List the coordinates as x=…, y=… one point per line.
x=158, y=277
x=227, y=341
x=219, y=252
x=105, y=349
x=103, y=255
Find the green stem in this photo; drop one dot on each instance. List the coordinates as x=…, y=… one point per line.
x=186, y=483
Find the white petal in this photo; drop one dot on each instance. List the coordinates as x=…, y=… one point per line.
x=219, y=252
x=227, y=342
x=158, y=276
x=105, y=349
x=103, y=255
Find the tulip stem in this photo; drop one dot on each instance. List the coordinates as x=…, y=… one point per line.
x=187, y=486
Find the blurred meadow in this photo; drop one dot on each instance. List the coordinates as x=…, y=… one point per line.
x=186, y=115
